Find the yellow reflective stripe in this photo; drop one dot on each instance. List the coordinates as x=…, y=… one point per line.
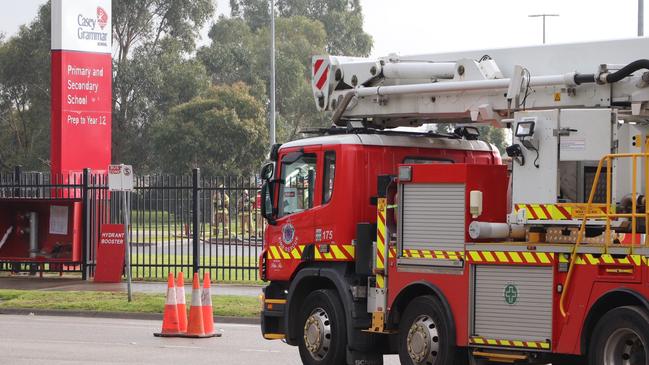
x=515, y=257
x=543, y=257
x=502, y=257
x=351, y=250
x=608, y=259
x=475, y=256
x=545, y=345
x=636, y=259
x=285, y=255
x=380, y=281
x=529, y=258
x=336, y=252
x=519, y=344
x=488, y=256
x=624, y=260
x=275, y=252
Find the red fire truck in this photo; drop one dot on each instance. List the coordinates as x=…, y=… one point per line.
x=386, y=236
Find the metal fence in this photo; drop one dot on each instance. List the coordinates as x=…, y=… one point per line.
x=178, y=222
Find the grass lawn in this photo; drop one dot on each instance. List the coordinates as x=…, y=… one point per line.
x=224, y=305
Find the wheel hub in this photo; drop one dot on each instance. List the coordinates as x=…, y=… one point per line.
x=317, y=333
x=624, y=347
x=423, y=341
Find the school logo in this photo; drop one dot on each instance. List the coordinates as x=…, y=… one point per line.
x=102, y=17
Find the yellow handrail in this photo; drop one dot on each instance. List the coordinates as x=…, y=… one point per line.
x=607, y=214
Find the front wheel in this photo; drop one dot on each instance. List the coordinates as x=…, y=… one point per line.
x=324, y=335
x=425, y=336
x=620, y=337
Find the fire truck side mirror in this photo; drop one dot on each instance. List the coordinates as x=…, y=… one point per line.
x=267, y=171
x=267, y=200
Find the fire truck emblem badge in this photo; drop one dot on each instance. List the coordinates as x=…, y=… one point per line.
x=288, y=242
x=510, y=294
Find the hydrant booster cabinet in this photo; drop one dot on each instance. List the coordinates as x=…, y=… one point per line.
x=40, y=230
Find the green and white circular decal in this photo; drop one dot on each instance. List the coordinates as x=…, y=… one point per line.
x=510, y=294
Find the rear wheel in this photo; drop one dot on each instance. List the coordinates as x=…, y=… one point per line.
x=324, y=335
x=620, y=337
x=425, y=336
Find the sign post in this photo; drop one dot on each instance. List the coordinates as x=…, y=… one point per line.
x=120, y=178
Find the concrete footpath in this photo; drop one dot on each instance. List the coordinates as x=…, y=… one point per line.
x=73, y=284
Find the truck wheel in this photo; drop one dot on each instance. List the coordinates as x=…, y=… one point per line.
x=425, y=334
x=324, y=335
x=621, y=337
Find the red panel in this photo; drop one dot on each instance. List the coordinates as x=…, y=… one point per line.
x=81, y=111
x=110, y=254
x=54, y=247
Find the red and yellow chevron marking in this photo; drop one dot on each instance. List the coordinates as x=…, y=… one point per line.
x=556, y=212
x=277, y=253
x=336, y=253
x=591, y=259
x=432, y=254
x=380, y=240
x=510, y=257
x=538, y=345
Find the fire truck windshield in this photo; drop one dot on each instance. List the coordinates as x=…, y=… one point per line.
x=299, y=177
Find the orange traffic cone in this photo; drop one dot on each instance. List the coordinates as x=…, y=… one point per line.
x=206, y=300
x=195, y=327
x=170, y=325
x=182, y=305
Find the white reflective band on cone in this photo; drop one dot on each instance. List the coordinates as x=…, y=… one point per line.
x=196, y=298
x=180, y=295
x=206, y=297
x=171, y=296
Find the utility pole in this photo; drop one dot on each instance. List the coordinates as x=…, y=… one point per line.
x=544, y=16
x=640, y=18
x=272, y=73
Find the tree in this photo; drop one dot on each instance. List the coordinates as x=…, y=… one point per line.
x=222, y=132
x=342, y=19
x=239, y=53
x=25, y=95
x=152, y=69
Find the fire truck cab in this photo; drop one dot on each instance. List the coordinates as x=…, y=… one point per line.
x=424, y=244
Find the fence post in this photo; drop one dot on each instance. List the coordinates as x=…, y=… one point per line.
x=196, y=190
x=17, y=181
x=85, y=188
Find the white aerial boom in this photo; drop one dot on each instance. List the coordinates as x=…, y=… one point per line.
x=484, y=86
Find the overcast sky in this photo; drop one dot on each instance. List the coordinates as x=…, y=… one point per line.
x=431, y=26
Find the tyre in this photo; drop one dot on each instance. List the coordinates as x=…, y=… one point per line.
x=323, y=340
x=425, y=336
x=620, y=337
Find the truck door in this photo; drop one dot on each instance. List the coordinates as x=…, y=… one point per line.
x=298, y=192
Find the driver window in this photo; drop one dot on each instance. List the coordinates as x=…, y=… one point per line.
x=297, y=190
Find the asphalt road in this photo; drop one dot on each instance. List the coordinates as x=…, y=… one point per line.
x=68, y=340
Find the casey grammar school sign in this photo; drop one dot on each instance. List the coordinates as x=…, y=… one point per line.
x=81, y=85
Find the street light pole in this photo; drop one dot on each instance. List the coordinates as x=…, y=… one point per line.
x=544, y=16
x=272, y=73
x=640, y=18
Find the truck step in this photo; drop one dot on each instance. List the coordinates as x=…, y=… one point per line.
x=507, y=358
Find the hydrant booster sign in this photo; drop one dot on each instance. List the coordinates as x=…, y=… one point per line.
x=81, y=85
